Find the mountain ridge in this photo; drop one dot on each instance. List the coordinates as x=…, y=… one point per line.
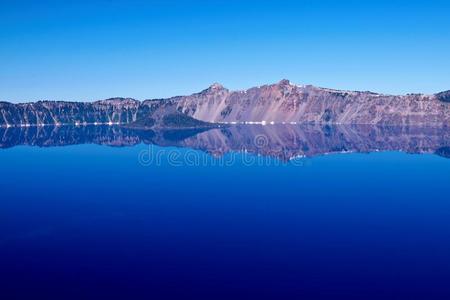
x=282, y=102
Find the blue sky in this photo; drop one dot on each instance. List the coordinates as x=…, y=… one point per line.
x=89, y=50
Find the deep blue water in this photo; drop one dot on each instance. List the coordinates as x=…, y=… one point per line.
x=90, y=221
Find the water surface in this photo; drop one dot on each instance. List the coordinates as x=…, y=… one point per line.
x=88, y=220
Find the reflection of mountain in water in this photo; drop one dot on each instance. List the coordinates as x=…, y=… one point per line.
x=280, y=141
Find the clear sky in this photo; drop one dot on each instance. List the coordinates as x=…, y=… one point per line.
x=89, y=50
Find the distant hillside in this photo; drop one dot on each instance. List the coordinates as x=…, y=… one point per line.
x=282, y=102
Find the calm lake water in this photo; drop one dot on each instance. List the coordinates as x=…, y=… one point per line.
x=235, y=213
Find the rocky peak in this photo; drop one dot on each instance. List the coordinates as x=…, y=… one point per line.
x=214, y=88
x=284, y=82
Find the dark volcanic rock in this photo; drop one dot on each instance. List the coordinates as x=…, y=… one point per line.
x=179, y=120
x=444, y=152
x=171, y=121
x=444, y=96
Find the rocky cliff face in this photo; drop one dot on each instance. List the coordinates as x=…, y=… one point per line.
x=286, y=102
x=115, y=110
x=281, y=102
